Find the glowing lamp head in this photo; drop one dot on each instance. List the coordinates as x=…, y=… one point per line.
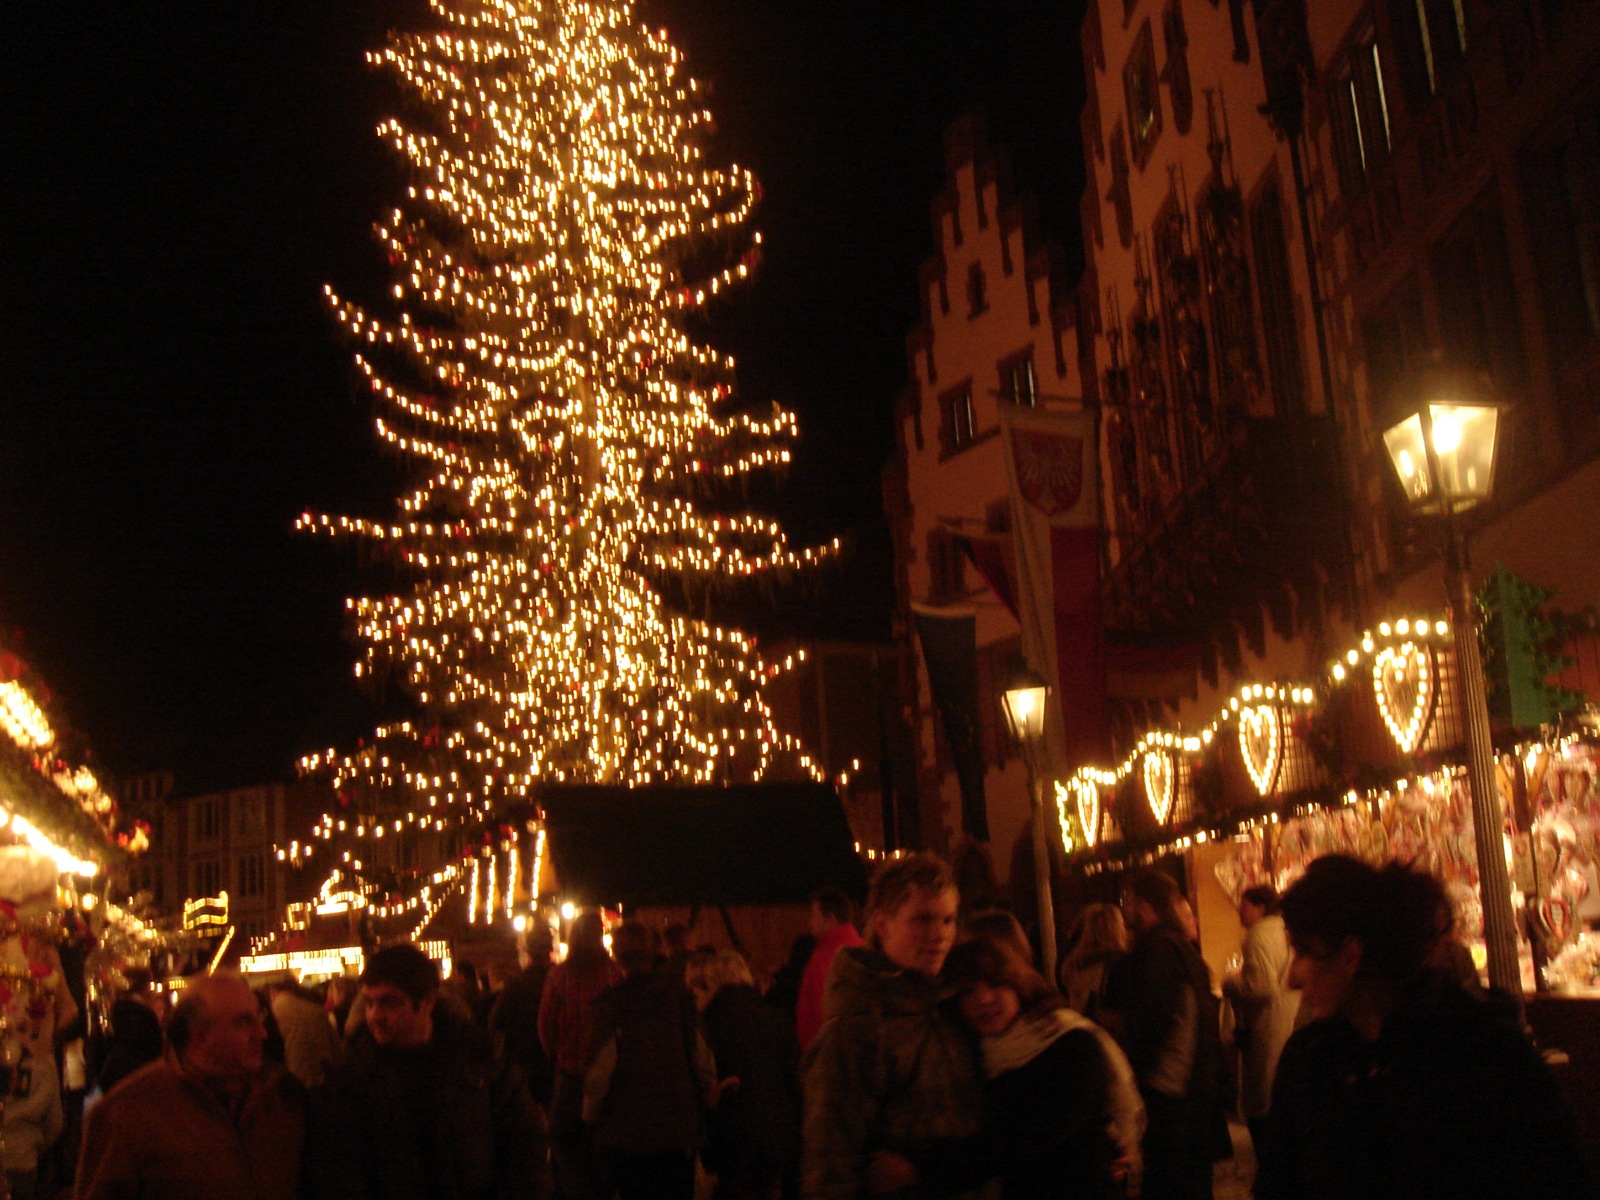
x=1443, y=446
x=1024, y=704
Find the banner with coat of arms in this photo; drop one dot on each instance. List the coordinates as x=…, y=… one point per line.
x=1052, y=468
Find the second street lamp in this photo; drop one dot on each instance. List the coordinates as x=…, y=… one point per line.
x=1443, y=451
x=1025, y=700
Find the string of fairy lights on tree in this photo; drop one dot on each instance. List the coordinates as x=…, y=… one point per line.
x=568, y=434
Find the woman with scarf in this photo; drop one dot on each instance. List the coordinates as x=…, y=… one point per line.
x=1063, y=1118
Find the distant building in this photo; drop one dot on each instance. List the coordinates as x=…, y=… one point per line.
x=999, y=328
x=224, y=841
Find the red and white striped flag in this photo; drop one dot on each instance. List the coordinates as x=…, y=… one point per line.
x=1052, y=467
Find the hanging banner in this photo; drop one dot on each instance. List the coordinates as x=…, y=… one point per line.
x=1051, y=466
x=949, y=638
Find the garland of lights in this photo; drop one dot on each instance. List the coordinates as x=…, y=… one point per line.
x=25, y=725
x=564, y=428
x=1401, y=658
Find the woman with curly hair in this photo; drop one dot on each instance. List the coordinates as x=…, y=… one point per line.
x=1403, y=1084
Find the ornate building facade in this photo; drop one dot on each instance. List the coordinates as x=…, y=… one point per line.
x=1289, y=207
x=999, y=329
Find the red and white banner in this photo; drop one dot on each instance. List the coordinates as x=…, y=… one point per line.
x=1052, y=467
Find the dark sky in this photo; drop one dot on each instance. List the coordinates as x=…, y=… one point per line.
x=178, y=178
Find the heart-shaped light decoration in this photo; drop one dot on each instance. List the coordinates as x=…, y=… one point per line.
x=1261, y=744
x=1403, y=679
x=1087, y=795
x=1160, y=778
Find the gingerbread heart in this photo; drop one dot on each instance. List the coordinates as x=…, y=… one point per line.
x=1160, y=779
x=1403, y=679
x=1261, y=744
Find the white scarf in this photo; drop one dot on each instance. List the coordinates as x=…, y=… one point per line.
x=1031, y=1034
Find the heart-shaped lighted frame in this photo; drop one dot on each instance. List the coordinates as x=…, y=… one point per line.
x=1403, y=679
x=1261, y=741
x=1160, y=783
x=1086, y=797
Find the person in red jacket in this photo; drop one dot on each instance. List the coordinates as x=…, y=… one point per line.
x=566, y=1029
x=830, y=925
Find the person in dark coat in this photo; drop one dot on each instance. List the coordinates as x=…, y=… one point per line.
x=892, y=1069
x=210, y=1120
x=651, y=1077
x=135, y=1037
x=419, y=1109
x=1403, y=1086
x=784, y=992
x=514, y=1019
x=754, y=1137
x=566, y=1031
x=1160, y=1007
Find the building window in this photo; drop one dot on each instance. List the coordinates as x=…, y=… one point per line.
x=250, y=816
x=1226, y=261
x=1478, y=316
x=957, y=423
x=207, y=819
x=1018, y=385
x=1142, y=87
x=1120, y=194
x=947, y=567
x=1176, y=74
x=252, y=875
x=1392, y=341
x=207, y=878
x=977, y=290
x=1561, y=195
x=1273, y=285
x=1432, y=35
x=1191, y=418
x=1360, y=111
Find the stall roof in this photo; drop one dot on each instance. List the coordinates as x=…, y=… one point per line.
x=772, y=843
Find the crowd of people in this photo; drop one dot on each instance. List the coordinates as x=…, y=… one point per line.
x=921, y=1055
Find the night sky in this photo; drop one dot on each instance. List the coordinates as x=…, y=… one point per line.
x=179, y=179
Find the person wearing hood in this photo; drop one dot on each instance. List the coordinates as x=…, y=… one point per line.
x=651, y=1078
x=891, y=1069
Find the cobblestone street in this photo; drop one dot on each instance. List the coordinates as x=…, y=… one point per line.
x=1234, y=1177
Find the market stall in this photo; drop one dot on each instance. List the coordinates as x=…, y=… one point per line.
x=1364, y=760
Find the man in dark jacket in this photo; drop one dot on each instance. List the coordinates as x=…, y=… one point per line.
x=419, y=1109
x=890, y=1069
x=651, y=1078
x=514, y=1019
x=1159, y=1005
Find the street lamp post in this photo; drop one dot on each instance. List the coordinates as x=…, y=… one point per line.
x=1443, y=451
x=1024, y=704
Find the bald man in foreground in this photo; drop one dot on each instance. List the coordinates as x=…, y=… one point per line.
x=209, y=1121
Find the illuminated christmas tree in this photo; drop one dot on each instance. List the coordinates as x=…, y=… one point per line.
x=569, y=436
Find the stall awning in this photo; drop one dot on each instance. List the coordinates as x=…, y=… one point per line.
x=743, y=844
